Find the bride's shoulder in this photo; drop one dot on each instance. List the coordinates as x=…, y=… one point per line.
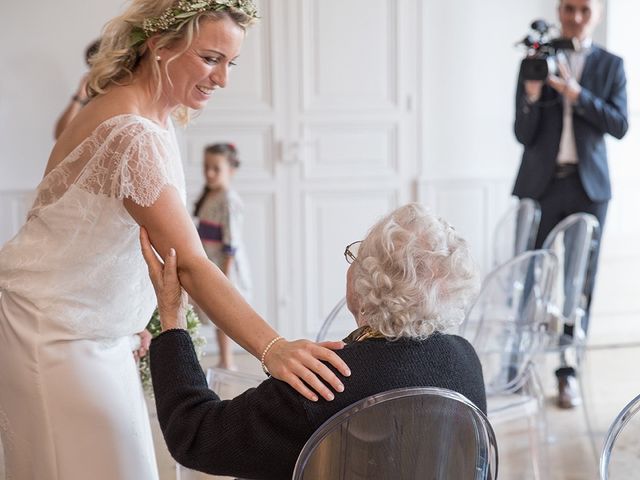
x=97, y=127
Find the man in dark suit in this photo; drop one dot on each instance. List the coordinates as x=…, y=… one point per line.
x=562, y=123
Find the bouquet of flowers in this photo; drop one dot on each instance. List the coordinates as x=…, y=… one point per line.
x=193, y=327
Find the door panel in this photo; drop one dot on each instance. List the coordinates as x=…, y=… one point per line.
x=351, y=150
x=350, y=54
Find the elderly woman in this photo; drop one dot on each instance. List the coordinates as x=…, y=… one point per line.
x=408, y=282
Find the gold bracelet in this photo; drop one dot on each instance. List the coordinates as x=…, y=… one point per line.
x=264, y=354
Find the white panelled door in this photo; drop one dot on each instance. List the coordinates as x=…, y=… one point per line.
x=321, y=110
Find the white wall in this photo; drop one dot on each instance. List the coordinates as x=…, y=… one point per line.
x=470, y=65
x=616, y=302
x=469, y=69
x=41, y=59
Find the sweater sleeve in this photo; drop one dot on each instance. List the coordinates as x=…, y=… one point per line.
x=258, y=434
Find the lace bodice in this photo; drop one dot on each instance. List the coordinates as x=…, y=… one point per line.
x=77, y=257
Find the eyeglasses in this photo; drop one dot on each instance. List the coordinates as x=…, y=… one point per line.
x=351, y=251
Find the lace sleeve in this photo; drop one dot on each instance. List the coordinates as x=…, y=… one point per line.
x=144, y=169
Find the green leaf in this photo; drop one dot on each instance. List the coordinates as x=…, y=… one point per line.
x=186, y=15
x=154, y=327
x=137, y=37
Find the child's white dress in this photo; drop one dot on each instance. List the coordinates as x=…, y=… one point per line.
x=73, y=289
x=220, y=221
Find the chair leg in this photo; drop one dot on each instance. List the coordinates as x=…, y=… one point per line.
x=541, y=364
x=534, y=448
x=183, y=473
x=587, y=417
x=539, y=433
x=538, y=391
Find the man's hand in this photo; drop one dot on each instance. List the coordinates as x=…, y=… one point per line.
x=533, y=90
x=565, y=84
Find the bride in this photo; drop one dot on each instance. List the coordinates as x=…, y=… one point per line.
x=73, y=283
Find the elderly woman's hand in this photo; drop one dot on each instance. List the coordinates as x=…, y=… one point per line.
x=171, y=297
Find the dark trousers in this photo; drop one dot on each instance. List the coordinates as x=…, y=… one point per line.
x=563, y=197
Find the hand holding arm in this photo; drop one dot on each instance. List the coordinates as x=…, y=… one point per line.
x=171, y=297
x=169, y=226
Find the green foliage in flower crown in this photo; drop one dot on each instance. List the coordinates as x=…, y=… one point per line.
x=154, y=327
x=174, y=18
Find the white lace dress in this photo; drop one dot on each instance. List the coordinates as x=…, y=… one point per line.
x=73, y=289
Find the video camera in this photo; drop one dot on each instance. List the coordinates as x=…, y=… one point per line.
x=542, y=52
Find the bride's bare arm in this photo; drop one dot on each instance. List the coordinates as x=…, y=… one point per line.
x=298, y=363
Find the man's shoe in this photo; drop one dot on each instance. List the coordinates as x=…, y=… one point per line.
x=568, y=392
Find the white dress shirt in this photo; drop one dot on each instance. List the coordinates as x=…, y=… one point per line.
x=567, y=153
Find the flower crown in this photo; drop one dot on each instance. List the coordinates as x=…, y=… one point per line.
x=176, y=17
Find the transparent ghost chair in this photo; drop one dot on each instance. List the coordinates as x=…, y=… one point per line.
x=620, y=458
x=574, y=242
x=506, y=325
x=338, y=323
x=417, y=432
x=516, y=230
x=227, y=384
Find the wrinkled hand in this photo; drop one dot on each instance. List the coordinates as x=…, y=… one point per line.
x=145, y=342
x=565, y=84
x=299, y=363
x=171, y=298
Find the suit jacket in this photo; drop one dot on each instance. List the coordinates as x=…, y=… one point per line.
x=260, y=433
x=601, y=108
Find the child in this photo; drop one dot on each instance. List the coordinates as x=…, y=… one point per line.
x=220, y=211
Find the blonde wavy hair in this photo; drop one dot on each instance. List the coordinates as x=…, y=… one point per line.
x=414, y=274
x=116, y=60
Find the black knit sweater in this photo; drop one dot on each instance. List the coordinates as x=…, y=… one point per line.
x=260, y=433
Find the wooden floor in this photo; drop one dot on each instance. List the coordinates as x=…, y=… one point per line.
x=610, y=384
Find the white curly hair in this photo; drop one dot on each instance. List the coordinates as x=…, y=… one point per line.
x=414, y=275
